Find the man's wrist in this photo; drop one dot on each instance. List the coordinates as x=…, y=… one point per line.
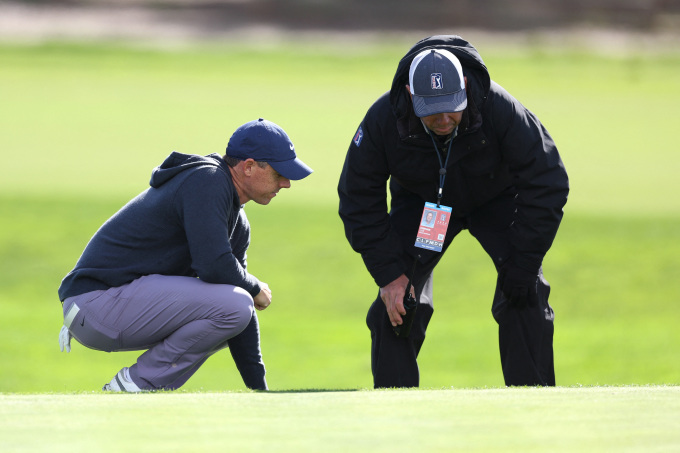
x=527, y=262
x=387, y=275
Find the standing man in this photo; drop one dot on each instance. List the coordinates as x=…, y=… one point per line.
x=451, y=140
x=167, y=273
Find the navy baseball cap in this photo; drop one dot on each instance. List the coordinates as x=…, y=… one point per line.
x=437, y=83
x=265, y=141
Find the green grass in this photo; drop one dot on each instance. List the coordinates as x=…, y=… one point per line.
x=621, y=419
x=616, y=314
x=82, y=126
x=83, y=110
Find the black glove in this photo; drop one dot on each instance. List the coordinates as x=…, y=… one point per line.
x=518, y=285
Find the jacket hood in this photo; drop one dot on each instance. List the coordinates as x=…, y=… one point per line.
x=176, y=163
x=472, y=63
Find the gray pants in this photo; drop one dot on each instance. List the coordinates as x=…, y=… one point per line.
x=180, y=321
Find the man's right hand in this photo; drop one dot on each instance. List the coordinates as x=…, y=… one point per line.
x=263, y=298
x=393, y=297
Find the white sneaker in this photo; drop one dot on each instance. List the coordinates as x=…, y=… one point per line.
x=122, y=382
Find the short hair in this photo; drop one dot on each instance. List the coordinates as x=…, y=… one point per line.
x=233, y=161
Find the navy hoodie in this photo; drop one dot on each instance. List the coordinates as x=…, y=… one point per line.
x=189, y=222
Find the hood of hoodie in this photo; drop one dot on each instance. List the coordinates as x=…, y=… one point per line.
x=478, y=81
x=176, y=163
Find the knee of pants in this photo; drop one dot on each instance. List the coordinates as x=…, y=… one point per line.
x=378, y=322
x=376, y=314
x=538, y=308
x=236, y=311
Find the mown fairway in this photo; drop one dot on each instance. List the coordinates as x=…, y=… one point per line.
x=82, y=126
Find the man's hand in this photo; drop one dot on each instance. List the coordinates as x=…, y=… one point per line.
x=518, y=285
x=393, y=297
x=263, y=298
x=64, y=339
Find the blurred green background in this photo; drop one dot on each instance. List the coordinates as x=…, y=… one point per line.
x=83, y=124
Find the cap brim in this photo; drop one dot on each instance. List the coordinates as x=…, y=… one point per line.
x=433, y=105
x=293, y=169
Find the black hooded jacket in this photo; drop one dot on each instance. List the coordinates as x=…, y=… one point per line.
x=500, y=146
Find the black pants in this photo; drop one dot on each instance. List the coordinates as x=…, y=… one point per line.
x=525, y=335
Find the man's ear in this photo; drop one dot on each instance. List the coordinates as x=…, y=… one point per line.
x=408, y=90
x=248, y=167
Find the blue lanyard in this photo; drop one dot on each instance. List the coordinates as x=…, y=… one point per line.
x=442, y=167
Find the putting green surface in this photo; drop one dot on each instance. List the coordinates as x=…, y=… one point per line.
x=621, y=419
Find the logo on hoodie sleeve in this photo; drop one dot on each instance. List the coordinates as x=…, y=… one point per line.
x=358, y=136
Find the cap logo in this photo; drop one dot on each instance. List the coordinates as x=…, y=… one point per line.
x=436, y=81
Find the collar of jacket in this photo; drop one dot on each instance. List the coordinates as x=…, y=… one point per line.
x=411, y=127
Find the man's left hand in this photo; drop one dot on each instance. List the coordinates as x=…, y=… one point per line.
x=518, y=285
x=263, y=298
x=64, y=339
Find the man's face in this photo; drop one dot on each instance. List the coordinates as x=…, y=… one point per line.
x=265, y=183
x=443, y=123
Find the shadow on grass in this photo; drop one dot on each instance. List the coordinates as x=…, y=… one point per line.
x=311, y=391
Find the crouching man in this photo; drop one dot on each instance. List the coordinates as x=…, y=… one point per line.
x=167, y=273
